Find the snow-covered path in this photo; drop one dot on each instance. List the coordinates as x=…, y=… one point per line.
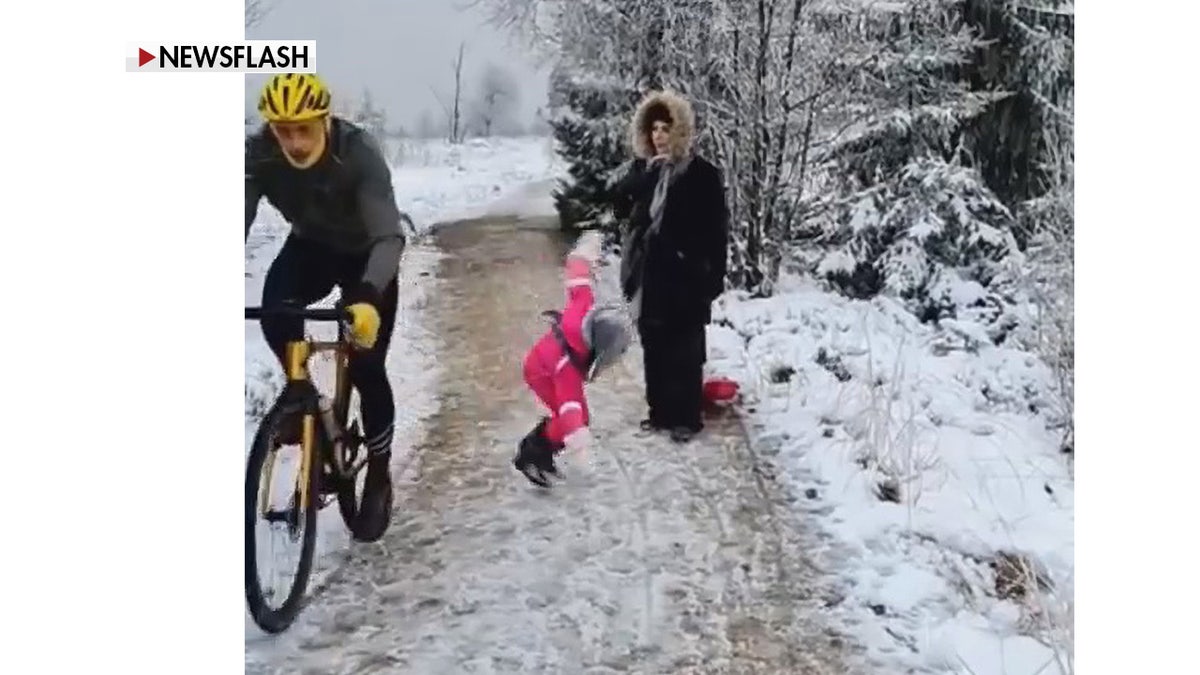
x=655, y=559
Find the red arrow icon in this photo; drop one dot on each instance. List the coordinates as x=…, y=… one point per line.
x=144, y=57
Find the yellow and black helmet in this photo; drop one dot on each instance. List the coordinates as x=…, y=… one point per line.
x=294, y=97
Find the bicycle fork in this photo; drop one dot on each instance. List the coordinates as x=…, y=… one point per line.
x=297, y=372
x=308, y=439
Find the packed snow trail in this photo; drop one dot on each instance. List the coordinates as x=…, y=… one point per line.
x=659, y=559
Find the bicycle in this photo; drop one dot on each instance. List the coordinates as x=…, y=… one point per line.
x=327, y=444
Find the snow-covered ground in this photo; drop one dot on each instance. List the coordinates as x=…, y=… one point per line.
x=434, y=182
x=437, y=182
x=926, y=456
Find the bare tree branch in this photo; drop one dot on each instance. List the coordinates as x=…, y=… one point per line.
x=456, y=126
x=445, y=107
x=257, y=10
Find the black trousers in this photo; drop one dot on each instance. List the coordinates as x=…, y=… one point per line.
x=304, y=273
x=673, y=361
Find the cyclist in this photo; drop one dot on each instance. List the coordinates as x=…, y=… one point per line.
x=328, y=179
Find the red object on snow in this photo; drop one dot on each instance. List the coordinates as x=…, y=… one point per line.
x=720, y=390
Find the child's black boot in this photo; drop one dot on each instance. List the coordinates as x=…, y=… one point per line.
x=535, y=456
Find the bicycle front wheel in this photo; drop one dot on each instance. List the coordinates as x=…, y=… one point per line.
x=286, y=503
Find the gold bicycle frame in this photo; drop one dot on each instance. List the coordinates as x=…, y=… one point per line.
x=298, y=353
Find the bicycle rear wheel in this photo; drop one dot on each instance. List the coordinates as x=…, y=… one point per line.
x=290, y=506
x=347, y=411
x=349, y=489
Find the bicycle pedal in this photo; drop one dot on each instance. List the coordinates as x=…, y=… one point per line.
x=274, y=516
x=290, y=519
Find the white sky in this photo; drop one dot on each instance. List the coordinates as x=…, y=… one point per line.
x=399, y=49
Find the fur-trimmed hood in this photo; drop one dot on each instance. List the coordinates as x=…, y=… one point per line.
x=683, y=125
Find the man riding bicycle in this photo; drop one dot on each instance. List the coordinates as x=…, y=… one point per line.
x=329, y=180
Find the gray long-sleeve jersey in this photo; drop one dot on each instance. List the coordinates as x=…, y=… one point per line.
x=344, y=202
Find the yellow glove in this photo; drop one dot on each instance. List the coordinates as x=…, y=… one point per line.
x=364, y=326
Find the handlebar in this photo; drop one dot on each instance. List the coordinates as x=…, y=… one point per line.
x=308, y=314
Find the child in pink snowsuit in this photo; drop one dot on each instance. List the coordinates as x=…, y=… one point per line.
x=583, y=341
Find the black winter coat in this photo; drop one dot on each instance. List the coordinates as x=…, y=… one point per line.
x=682, y=268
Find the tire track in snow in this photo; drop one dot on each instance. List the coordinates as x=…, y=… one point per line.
x=644, y=535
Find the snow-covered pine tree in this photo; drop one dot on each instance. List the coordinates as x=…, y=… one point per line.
x=1025, y=143
x=589, y=118
x=1027, y=153
x=603, y=51
x=914, y=217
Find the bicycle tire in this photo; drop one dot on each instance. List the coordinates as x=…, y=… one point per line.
x=348, y=498
x=348, y=494
x=268, y=619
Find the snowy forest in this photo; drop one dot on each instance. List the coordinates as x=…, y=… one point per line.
x=918, y=148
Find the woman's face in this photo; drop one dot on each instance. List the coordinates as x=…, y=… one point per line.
x=660, y=132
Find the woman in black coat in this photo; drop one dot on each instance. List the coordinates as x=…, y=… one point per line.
x=673, y=258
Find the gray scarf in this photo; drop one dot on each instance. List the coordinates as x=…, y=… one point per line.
x=670, y=172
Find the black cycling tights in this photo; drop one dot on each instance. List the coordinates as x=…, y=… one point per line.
x=304, y=273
